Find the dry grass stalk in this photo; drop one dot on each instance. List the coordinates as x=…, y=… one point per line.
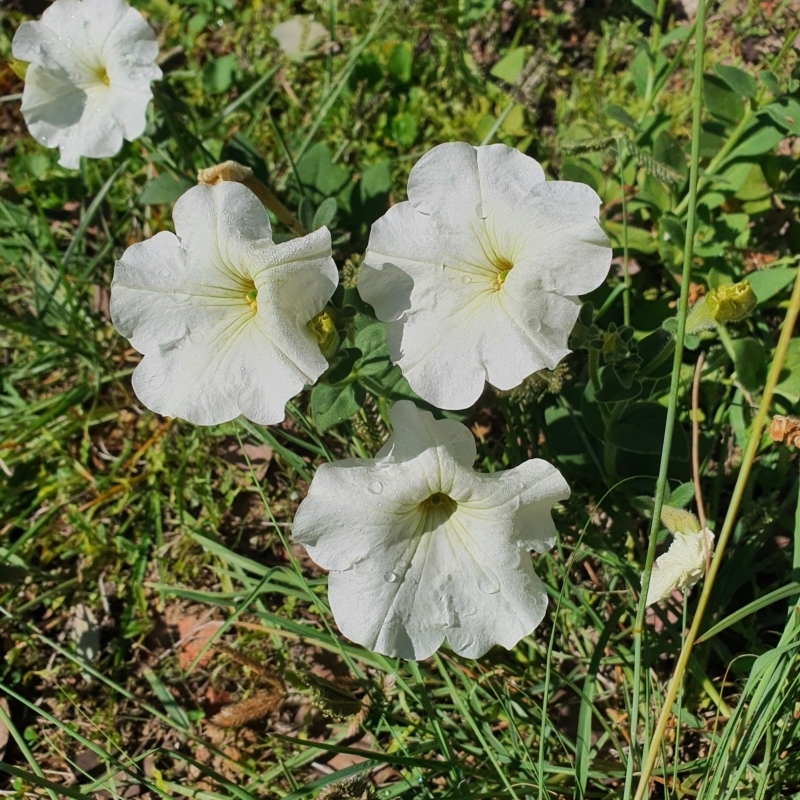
x=254, y=708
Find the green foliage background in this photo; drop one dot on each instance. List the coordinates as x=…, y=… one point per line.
x=146, y=521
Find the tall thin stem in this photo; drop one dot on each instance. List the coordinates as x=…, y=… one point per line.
x=753, y=443
x=683, y=304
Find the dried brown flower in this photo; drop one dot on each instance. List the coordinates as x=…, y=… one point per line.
x=785, y=430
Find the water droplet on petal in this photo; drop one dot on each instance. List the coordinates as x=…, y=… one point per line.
x=195, y=337
x=376, y=487
x=390, y=577
x=466, y=279
x=487, y=582
x=536, y=326
x=479, y=212
x=468, y=607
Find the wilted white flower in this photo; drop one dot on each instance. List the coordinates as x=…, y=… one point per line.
x=88, y=81
x=423, y=549
x=220, y=312
x=682, y=565
x=477, y=273
x=299, y=36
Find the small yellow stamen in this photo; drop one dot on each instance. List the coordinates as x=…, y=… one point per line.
x=503, y=267
x=102, y=76
x=251, y=298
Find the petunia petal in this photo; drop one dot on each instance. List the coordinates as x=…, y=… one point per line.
x=477, y=273
x=88, y=83
x=409, y=569
x=220, y=312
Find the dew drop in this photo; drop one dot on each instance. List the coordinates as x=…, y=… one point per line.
x=536, y=326
x=390, y=577
x=195, y=337
x=468, y=607
x=165, y=273
x=376, y=487
x=487, y=582
x=466, y=279
x=479, y=212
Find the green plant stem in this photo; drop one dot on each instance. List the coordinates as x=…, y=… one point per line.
x=655, y=40
x=683, y=305
x=753, y=444
x=626, y=294
x=715, y=162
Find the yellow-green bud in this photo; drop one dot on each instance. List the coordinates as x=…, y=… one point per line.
x=19, y=68
x=731, y=303
x=677, y=520
x=323, y=329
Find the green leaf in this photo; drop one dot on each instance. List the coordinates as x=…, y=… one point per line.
x=750, y=360
x=681, y=496
x=786, y=113
x=667, y=150
x=334, y=403
x=165, y=189
x=317, y=172
x=510, y=65
x=324, y=215
x=766, y=283
x=743, y=83
x=720, y=101
x=789, y=379
x=345, y=363
x=761, y=139
x=404, y=129
x=376, y=180
x=640, y=240
x=640, y=429
x=613, y=390
x=306, y=213
x=648, y=6
x=371, y=340
x=672, y=230
x=400, y=62
x=217, y=75
x=619, y=114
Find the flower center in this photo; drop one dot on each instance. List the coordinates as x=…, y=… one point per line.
x=101, y=75
x=438, y=508
x=503, y=267
x=251, y=298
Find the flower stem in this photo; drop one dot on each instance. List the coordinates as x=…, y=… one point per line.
x=753, y=443
x=683, y=305
x=626, y=294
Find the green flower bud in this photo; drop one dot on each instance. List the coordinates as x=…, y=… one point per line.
x=731, y=303
x=323, y=329
x=677, y=520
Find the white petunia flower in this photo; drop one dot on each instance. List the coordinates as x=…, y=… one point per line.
x=682, y=565
x=423, y=549
x=220, y=312
x=88, y=81
x=478, y=271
